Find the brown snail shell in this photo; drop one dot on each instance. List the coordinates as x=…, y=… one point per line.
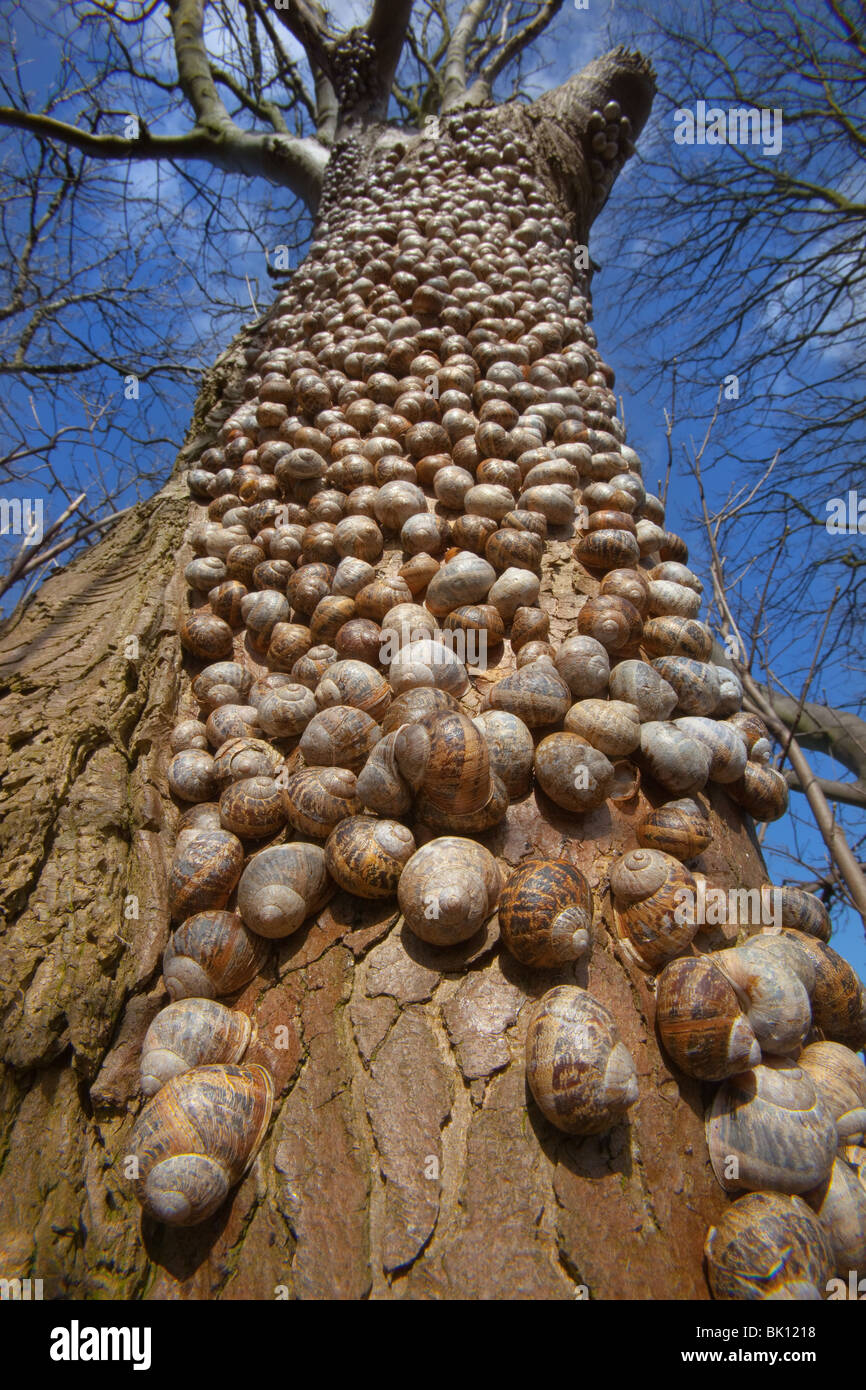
x=771, y=994
x=446, y=757
x=230, y=722
x=678, y=762
x=584, y=665
x=607, y=550
x=204, y=873
x=696, y=683
x=245, y=757
x=755, y=734
x=465, y=579
x=614, y=622
x=654, y=905
x=381, y=785
x=582, y=1076
x=191, y=775
x=286, y=710
x=514, y=589
x=725, y=746
x=189, y=733
x=839, y=996
x=639, y=684
x=680, y=828
x=206, y=636
x=839, y=1076
x=535, y=693
x=366, y=856
x=630, y=584
x=612, y=726
x=316, y=799
x=191, y=1033
x=195, y=1139
x=339, y=736
x=768, y=1245
x=288, y=642
x=281, y=887
x=215, y=678
x=211, y=954
x=528, y=625
x=545, y=913
x=700, y=1022
x=253, y=808
x=761, y=790
x=357, y=684
x=428, y=662
x=804, y=912
x=840, y=1204
x=418, y=572
x=448, y=890
x=509, y=549
x=511, y=749
x=767, y=1130
x=678, y=637
x=413, y=704
x=572, y=773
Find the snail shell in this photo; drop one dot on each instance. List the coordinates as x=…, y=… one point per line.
x=761, y=790
x=211, y=954
x=584, y=665
x=840, y=1204
x=654, y=898
x=545, y=913
x=191, y=775
x=725, y=746
x=612, y=726
x=340, y=736
x=197, y=1137
x=191, y=733
x=209, y=685
x=428, y=663
x=515, y=588
x=607, y=549
x=535, y=693
x=839, y=996
x=203, y=873
x=286, y=710
x=804, y=912
x=700, y=1022
x=730, y=692
x=230, y=722
x=381, y=785
x=631, y=584
x=446, y=757
x=511, y=750
x=676, y=599
x=351, y=575
x=582, y=1076
x=572, y=773
x=678, y=637
x=316, y=799
x=240, y=758
x=466, y=579
x=289, y=641
x=253, y=808
x=614, y=622
x=190, y=1033
x=417, y=572
x=773, y=997
x=768, y=1245
x=411, y=706
x=206, y=636
x=696, y=684
x=840, y=1080
x=772, y=1122
x=448, y=890
x=680, y=828
x=357, y=684
x=366, y=856
x=678, y=762
x=638, y=684
x=281, y=887
x=755, y=734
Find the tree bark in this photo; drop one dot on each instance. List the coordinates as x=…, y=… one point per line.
x=405, y=1158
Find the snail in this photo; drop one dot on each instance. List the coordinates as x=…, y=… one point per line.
x=189, y=733
x=446, y=757
x=755, y=734
x=206, y=636
x=672, y=636
x=730, y=692
x=413, y=704
x=631, y=584
x=448, y=889
x=676, y=599
x=768, y=1130
x=612, y=726
x=231, y=722
x=262, y=611
x=239, y=758
x=771, y=995
x=762, y=791
x=511, y=750
x=309, y=669
x=840, y=1080
x=381, y=785
x=725, y=746
x=840, y=1205
x=286, y=710
x=584, y=665
x=514, y=588
x=680, y=828
x=211, y=954
x=354, y=683
x=509, y=549
x=204, y=873
x=838, y=997
x=654, y=899
x=418, y=572
x=211, y=686
x=697, y=685
x=572, y=773
x=607, y=550
x=281, y=887
x=253, y=808
x=482, y=618
x=535, y=693
x=288, y=642
x=428, y=663
x=678, y=762
x=768, y=1245
x=582, y=1076
x=638, y=684
x=545, y=913
x=466, y=579
x=804, y=912
x=700, y=1022
x=339, y=736
x=366, y=856
x=191, y=775
x=196, y=1138
x=191, y=1033
x=612, y=621
x=351, y=575
x=316, y=799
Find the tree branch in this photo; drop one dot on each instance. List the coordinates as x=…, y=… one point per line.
x=454, y=89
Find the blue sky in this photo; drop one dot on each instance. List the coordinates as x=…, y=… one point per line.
x=262, y=215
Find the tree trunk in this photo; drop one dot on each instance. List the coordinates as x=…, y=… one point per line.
x=405, y=1158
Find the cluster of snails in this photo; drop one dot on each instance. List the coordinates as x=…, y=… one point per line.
x=424, y=408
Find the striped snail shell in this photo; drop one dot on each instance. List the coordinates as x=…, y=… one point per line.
x=413, y=704
x=239, y=758
x=612, y=726
x=700, y=1022
x=191, y=733
x=696, y=684
x=204, y=872
x=545, y=913
x=840, y=1080
x=511, y=749
x=614, y=622
x=211, y=954
x=654, y=898
x=761, y=790
x=768, y=1130
x=572, y=773
x=466, y=579
x=725, y=746
x=448, y=890
x=839, y=996
x=288, y=642
x=418, y=572
x=351, y=575
x=309, y=668
x=428, y=663
x=381, y=785
x=768, y=1245
x=191, y=775
x=804, y=912
x=339, y=736
x=607, y=549
x=445, y=756
x=316, y=799
x=755, y=734
x=771, y=995
x=584, y=665
x=191, y=1033
x=631, y=584
x=197, y=1137
x=678, y=762
x=840, y=1205
x=515, y=588
x=640, y=685
x=215, y=678
x=206, y=636
x=672, y=636
x=730, y=692
x=675, y=599
x=286, y=710
x=582, y=1076
x=680, y=828
x=230, y=722
x=253, y=808
x=366, y=856
x=281, y=887
x=535, y=693
x=357, y=684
